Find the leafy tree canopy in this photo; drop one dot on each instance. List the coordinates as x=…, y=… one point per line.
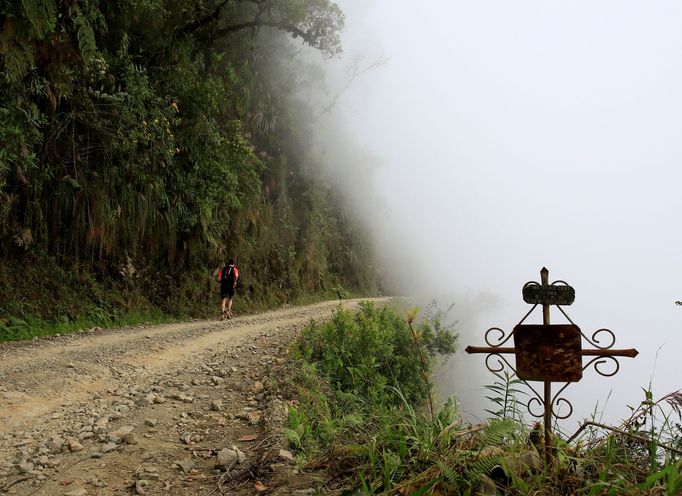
x=317, y=22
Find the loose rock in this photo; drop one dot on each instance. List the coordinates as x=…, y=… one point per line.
x=75, y=446
x=130, y=438
x=226, y=459
x=286, y=455
x=255, y=418
x=107, y=447
x=77, y=492
x=186, y=465
x=118, y=435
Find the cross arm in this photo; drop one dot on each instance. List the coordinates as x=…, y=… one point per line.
x=488, y=349
x=630, y=353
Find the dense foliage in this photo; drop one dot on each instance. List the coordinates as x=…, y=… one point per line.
x=372, y=352
x=143, y=141
x=360, y=374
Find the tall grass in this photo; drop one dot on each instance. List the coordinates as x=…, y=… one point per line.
x=17, y=329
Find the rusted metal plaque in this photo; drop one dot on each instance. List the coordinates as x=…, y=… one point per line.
x=548, y=353
x=535, y=294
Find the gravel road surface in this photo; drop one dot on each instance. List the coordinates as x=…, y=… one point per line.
x=195, y=408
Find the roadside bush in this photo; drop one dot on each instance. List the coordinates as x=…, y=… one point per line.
x=372, y=354
x=360, y=388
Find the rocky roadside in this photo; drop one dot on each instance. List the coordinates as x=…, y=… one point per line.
x=200, y=424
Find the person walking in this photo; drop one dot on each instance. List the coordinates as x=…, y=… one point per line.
x=227, y=276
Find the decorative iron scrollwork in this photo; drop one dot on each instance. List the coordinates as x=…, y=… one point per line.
x=501, y=340
x=558, y=400
x=595, y=341
x=535, y=401
x=602, y=339
x=599, y=361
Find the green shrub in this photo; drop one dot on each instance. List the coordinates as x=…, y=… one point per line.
x=360, y=387
x=372, y=353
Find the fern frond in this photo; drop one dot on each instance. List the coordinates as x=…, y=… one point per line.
x=483, y=466
x=451, y=475
x=86, y=37
x=42, y=14
x=496, y=431
x=293, y=437
x=17, y=60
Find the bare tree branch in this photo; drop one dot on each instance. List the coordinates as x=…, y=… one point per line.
x=256, y=23
x=204, y=21
x=380, y=61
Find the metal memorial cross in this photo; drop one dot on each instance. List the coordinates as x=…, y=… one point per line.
x=549, y=352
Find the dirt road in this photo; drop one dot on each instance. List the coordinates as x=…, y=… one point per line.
x=182, y=409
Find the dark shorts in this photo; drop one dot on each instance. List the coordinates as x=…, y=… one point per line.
x=226, y=291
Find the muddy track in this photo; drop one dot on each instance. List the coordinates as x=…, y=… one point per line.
x=146, y=410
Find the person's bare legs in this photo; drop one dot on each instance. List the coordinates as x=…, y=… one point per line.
x=229, y=308
x=222, y=308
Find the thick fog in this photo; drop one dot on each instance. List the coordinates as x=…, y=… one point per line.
x=502, y=137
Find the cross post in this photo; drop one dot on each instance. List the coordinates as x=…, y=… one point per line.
x=550, y=353
x=544, y=279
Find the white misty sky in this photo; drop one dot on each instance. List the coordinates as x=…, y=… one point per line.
x=514, y=135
